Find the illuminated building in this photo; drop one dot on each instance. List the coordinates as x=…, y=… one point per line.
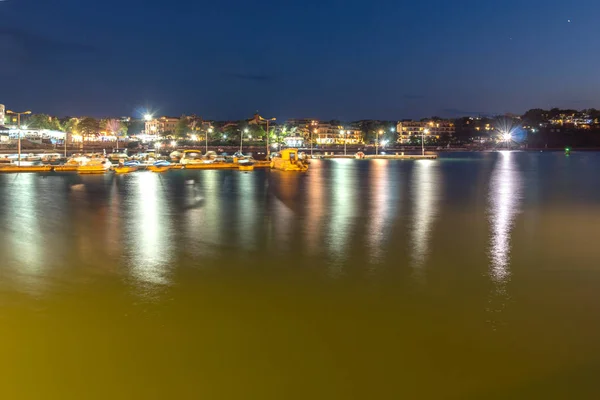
x=159, y=126
x=326, y=133
x=436, y=129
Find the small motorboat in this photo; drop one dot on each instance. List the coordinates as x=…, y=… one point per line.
x=288, y=160
x=118, y=155
x=192, y=157
x=246, y=167
x=95, y=166
x=127, y=167
x=160, y=166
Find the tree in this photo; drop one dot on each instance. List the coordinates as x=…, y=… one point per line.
x=69, y=125
x=136, y=127
x=89, y=126
x=43, y=121
x=182, y=128
x=535, y=116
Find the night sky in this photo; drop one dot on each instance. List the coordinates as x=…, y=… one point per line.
x=330, y=59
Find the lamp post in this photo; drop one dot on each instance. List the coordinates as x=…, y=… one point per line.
x=242, y=138
x=269, y=148
x=209, y=130
x=18, y=114
x=311, y=141
x=377, y=146
x=343, y=133
x=424, y=132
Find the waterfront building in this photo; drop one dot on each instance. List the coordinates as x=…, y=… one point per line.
x=328, y=134
x=2, y=114
x=430, y=129
x=293, y=141
x=160, y=126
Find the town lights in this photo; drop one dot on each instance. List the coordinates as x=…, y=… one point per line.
x=173, y=143
x=157, y=145
x=380, y=132
x=148, y=117
x=506, y=136
x=194, y=138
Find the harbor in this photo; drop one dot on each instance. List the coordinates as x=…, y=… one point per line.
x=122, y=163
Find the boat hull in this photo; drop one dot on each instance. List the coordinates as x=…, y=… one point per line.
x=125, y=170
x=155, y=168
x=92, y=170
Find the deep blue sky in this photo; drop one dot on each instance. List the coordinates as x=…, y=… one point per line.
x=342, y=59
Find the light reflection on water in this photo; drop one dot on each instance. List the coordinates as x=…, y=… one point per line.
x=150, y=236
x=219, y=284
x=384, y=184
x=23, y=223
x=344, y=191
x=426, y=192
x=504, y=206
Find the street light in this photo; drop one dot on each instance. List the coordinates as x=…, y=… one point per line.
x=209, y=130
x=425, y=132
x=311, y=141
x=507, y=137
x=148, y=117
x=18, y=114
x=242, y=138
x=377, y=146
x=343, y=132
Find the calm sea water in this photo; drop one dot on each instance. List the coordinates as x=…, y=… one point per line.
x=472, y=276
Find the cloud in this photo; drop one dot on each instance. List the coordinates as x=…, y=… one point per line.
x=32, y=46
x=250, y=77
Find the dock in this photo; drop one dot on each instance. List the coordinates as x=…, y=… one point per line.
x=11, y=168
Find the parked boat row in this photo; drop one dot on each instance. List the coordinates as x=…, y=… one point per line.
x=287, y=160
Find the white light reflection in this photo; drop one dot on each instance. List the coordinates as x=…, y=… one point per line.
x=151, y=234
x=382, y=207
x=426, y=192
x=504, y=202
x=248, y=212
x=343, y=212
x=23, y=232
x=284, y=186
x=315, y=207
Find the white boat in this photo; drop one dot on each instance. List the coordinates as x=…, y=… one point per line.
x=191, y=157
x=95, y=166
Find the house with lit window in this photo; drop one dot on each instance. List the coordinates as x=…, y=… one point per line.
x=409, y=129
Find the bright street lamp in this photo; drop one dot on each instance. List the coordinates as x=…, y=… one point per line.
x=425, y=132
x=19, y=124
x=377, y=146
x=242, y=139
x=343, y=132
x=209, y=130
x=148, y=117
x=311, y=141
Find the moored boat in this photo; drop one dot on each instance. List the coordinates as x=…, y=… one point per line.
x=246, y=167
x=288, y=160
x=160, y=166
x=95, y=166
x=127, y=167
x=190, y=157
